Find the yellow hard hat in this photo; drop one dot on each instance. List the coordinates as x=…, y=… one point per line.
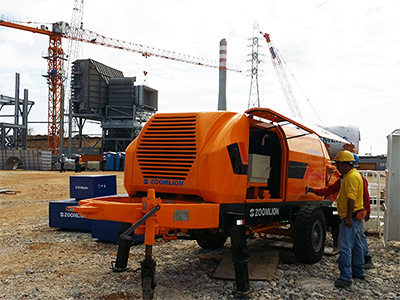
x=344, y=155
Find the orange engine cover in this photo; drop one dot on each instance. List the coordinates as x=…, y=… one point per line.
x=204, y=157
x=187, y=154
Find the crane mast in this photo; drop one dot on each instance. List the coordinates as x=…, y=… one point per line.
x=55, y=77
x=56, y=57
x=283, y=80
x=76, y=22
x=73, y=53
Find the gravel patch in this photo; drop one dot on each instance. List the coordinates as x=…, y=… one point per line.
x=55, y=264
x=38, y=262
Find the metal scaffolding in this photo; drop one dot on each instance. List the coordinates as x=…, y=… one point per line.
x=13, y=136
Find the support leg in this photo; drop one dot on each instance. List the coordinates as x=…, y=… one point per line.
x=148, y=269
x=240, y=258
x=124, y=247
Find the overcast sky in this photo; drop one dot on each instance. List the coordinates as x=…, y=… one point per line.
x=343, y=54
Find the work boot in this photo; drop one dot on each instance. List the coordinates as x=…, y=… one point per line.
x=341, y=283
x=368, y=263
x=361, y=277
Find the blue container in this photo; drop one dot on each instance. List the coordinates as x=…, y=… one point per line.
x=92, y=186
x=110, y=161
x=60, y=218
x=110, y=231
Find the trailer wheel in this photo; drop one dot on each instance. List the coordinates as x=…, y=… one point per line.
x=309, y=234
x=210, y=241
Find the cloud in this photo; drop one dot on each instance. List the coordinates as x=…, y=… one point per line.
x=343, y=54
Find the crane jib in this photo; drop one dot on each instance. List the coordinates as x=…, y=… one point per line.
x=271, y=49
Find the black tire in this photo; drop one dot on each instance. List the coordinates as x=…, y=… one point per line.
x=309, y=234
x=147, y=288
x=210, y=241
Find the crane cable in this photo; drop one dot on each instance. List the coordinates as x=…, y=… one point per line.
x=309, y=102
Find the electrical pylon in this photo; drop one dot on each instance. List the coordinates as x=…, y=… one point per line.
x=254, y=95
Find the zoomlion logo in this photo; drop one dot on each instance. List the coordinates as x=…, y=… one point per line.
x=265, y=211
x=163, y=182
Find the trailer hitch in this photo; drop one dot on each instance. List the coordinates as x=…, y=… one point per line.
x=128, y=234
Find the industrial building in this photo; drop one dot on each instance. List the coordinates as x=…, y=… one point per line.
x=99, y=93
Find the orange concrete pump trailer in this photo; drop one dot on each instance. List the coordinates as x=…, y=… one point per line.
x=217, y=174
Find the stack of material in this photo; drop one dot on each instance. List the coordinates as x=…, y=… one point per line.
x=86, y=187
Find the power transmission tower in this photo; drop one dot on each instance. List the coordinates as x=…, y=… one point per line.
x=254, y=95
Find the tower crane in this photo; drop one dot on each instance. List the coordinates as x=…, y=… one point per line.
x=73, y=52
x=56, y=57
x=283, y=80
x=76, y=22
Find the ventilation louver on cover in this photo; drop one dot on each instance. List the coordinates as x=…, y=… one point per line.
x=167, y=149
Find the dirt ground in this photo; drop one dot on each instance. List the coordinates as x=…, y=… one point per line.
x=34, y=258
x=34, y=190
x=39, y=262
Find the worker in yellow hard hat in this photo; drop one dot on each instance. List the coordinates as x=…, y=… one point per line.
x=351, y=212
x=334, y=189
